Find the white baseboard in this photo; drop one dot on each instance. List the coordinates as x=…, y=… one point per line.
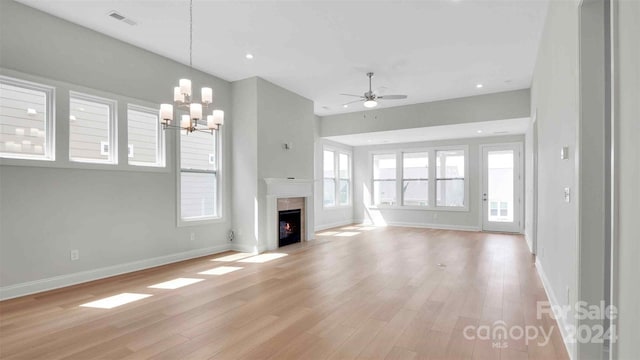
x=554, y=302
x=334, y=224
x=246, y=248
x=56, y=282
x=428, y=226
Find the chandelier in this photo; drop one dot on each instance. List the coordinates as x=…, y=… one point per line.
x=183, y=101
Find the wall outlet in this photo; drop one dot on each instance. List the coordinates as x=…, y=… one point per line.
x=567, y=195
x=193, y=236
x=75, y=254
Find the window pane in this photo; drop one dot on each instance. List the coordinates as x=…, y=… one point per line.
x=450, y=181
x=384, y=192
x=384, y=166
x=89, y=130
x=198, y=194
x=450, y=192
x=500, y=188
x=329, y=165
x=329, y=192
x=415, y=192
x=450, y=164
x=343, y=163
x=144, y=141
x=198, y=151
x=344, y=192
x=415, y=165
x=23, y=122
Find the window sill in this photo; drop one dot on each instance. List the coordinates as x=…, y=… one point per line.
x=200, y=221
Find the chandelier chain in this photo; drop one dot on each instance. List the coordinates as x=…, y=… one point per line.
x=191, y=33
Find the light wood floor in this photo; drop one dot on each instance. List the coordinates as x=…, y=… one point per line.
x=356, y=292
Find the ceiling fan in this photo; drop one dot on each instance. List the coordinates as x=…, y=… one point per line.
x=370, y=99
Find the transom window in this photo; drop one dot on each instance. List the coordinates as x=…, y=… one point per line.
x=26, y=120
x=146, y=139
x=92, y=129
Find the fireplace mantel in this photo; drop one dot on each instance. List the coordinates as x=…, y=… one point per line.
x=287, y=188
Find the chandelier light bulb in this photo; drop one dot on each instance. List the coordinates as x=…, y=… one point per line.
x=196, y=111
x=185, y=123
x=166, y=113
x=218, y=117
x=207, y=95
x=177, y=95
x=185, y=87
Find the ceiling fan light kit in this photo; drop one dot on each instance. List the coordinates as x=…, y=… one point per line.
x=370, y=98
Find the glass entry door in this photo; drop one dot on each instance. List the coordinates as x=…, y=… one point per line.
x=502, y=188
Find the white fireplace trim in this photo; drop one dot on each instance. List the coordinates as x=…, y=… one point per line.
x=287, y=188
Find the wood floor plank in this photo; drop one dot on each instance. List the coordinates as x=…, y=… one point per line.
x=377, y=294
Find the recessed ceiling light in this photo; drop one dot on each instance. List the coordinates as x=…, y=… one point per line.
x=479, y=131
x=249, y=56
x=31, y=111
x=345, y=106
x=479, y=86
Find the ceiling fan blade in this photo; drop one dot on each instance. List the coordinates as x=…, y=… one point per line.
x=392, y=97
x=351, y=102
x=360, y=96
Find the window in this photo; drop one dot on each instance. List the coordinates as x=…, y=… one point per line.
x=146, y=139
x=415, y=179
x=329, y=175
x=384, y=179
x=26, y=120
x=344, y=191
x=199, y=176
x=92, y=129
x=450, y=180
x=336, y=178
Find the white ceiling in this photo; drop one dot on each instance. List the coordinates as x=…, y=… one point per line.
x=445, y=132
x=429, y=50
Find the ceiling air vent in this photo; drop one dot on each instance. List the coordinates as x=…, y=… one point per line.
x=114, y=14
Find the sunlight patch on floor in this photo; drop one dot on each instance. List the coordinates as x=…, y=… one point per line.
x=262, y=258
x=233, y=257
x=175, y=283
x=348, y=233
x=327, y=233
x=115, y=301
x=220, y=270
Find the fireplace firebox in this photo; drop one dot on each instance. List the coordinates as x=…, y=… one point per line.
x=290, y=227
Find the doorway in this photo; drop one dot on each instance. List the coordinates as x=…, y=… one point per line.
x=502, y=187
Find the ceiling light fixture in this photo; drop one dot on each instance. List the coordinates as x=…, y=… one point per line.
x=345, y=106
x=249, y=56
x=479, y=86
x=183, y=101
x=479, y=131
x=370, y=103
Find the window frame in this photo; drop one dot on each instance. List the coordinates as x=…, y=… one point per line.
x=49, y=121
x=112, y=129
x=432, y=195
x=219, y=217
x=337, y=178
x=427, y=179
x=161, y=152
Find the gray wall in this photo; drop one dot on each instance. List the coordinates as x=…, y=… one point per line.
x=626, y=293
x=114, y=215
x=554, y=98
x=269, y=116
x=465, y=220
x=497, y=106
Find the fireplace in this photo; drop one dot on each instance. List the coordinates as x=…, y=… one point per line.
x=290, y=225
